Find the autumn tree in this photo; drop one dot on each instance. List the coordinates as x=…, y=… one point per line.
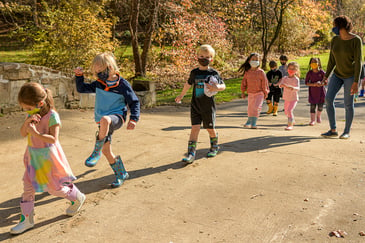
x=140, y=58
x=72, y=33
x=272, y=17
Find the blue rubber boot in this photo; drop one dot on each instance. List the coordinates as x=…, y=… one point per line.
x=96, y=154
x=362, y=93
x=119, y=172
x=253, y=123
x=191, y=153
x=214, y=148
x=248, y=122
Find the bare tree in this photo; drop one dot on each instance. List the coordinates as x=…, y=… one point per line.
x=272, y=13
x=140, y=59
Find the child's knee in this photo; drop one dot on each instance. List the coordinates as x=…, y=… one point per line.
x=105, y=120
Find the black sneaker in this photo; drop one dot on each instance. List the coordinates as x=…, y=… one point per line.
x=329, y=134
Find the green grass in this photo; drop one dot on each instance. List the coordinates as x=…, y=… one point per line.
x=15, y=56
x=232, y=91
x=304, y=62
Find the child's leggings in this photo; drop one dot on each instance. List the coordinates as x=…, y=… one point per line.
x=255, y=104
x=289, y=108
x=29, y=192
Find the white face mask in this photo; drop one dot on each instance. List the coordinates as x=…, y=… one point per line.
x=254, y=64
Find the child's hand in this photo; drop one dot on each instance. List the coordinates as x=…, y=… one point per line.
x=243, y=95
x=31, y=129
x=131, y=125
x=33, y=119
x=325, y=81
x=79, y=71
x=178, y=99
x=212, y=87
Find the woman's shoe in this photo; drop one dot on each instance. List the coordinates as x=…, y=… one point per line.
x=345, y=136
x=329, y=134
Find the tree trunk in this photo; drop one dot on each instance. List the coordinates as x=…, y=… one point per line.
x=154, y=7
x=35, y=13
x=133, y=27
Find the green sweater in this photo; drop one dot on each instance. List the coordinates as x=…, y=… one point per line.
x=345, y=57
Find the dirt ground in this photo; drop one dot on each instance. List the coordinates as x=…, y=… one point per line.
x=266, y=185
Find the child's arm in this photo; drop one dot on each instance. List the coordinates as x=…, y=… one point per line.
x=51, y=138
x=243, y=87
x=81, y=86
x=183, y=92
x=133, y=103
x=265, y=84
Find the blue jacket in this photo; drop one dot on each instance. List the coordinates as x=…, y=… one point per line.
x=111, y=100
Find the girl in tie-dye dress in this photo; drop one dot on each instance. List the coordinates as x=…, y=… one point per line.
x=46, y=166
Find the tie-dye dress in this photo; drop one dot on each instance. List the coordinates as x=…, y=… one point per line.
x=46, y=164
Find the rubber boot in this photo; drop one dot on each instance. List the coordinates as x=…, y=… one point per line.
x=249, y=121
x=77, y=200
x=319, y=120
x=26, y=218
x=275, y=110
x=253, y=124
x=313, y=119
x=270, y=108
x=119, y=171
x=214, y=148
x=96, y=154
x=362, y=93
x=191, y=153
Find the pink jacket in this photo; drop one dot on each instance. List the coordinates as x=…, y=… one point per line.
x=290, y=94
x=255, y=82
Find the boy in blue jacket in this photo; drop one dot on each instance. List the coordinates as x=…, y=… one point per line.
x=113, y=95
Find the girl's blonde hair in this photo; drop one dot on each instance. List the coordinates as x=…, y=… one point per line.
x=104, y=60
x=296, y=65
x=32, y=93
x=206, y=48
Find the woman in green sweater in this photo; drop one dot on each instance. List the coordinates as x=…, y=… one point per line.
x=345, y=62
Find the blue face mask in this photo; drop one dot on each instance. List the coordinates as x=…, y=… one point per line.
x=104, y=75
x=336, y=30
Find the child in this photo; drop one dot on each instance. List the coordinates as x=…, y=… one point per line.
x=113, y=94
x=255, y=83
x=202, y=105
x=291, y=85
x=317, y=92
x=46, y=165
x=273, y=76
x=283, y=68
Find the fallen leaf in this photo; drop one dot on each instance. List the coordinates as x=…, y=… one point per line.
x=338, y=233
x=362, y=233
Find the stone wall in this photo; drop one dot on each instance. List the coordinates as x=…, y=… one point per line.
x=62, y=85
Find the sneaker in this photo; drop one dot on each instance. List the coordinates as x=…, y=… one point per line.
x=329, y=134
x=289, y=128
x=345, y=136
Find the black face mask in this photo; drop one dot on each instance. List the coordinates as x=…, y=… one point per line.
x=104, y=75
x=283, y=63
x=203, y=61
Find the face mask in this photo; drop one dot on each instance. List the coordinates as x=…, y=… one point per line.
x=103, y=76
x=34, y=111
x=254, y=64
x=336, y=30
x=283, y=63
x=291, y=72
x=204, y=61
x=314, y=65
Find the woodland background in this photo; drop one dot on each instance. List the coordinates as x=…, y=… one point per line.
x=157, y=39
